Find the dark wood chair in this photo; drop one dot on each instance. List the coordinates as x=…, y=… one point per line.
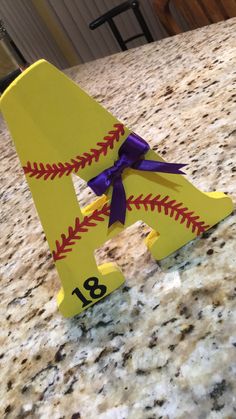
x=196, y=13
x=6, y=81
x=108, y=18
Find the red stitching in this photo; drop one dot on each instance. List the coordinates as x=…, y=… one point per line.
x=51, y=170
x=170, y=207
x=80, y=227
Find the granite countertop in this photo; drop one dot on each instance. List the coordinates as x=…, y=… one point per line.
x=164, y=345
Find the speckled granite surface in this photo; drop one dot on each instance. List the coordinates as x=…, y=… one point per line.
x=164, y=345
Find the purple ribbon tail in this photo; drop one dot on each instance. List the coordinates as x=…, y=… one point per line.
x=159, y=166
x=118, y=202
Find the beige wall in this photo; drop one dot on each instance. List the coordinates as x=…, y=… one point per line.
x=29, y=32
x=58, y=30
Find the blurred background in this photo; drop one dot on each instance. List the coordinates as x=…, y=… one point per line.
x=59, y=31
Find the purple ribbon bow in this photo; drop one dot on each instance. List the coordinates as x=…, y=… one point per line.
x=130, y=155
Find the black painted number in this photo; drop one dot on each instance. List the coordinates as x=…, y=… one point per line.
x=96, y=290
x=81, y=297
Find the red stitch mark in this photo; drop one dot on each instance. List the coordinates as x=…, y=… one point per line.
x=170, y=207
x=80, y=227
x=52, y=170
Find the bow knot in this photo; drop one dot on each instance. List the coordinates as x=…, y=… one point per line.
x=119, y=166
x=130, y=155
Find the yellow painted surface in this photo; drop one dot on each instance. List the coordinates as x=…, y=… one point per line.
x=58, y=130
